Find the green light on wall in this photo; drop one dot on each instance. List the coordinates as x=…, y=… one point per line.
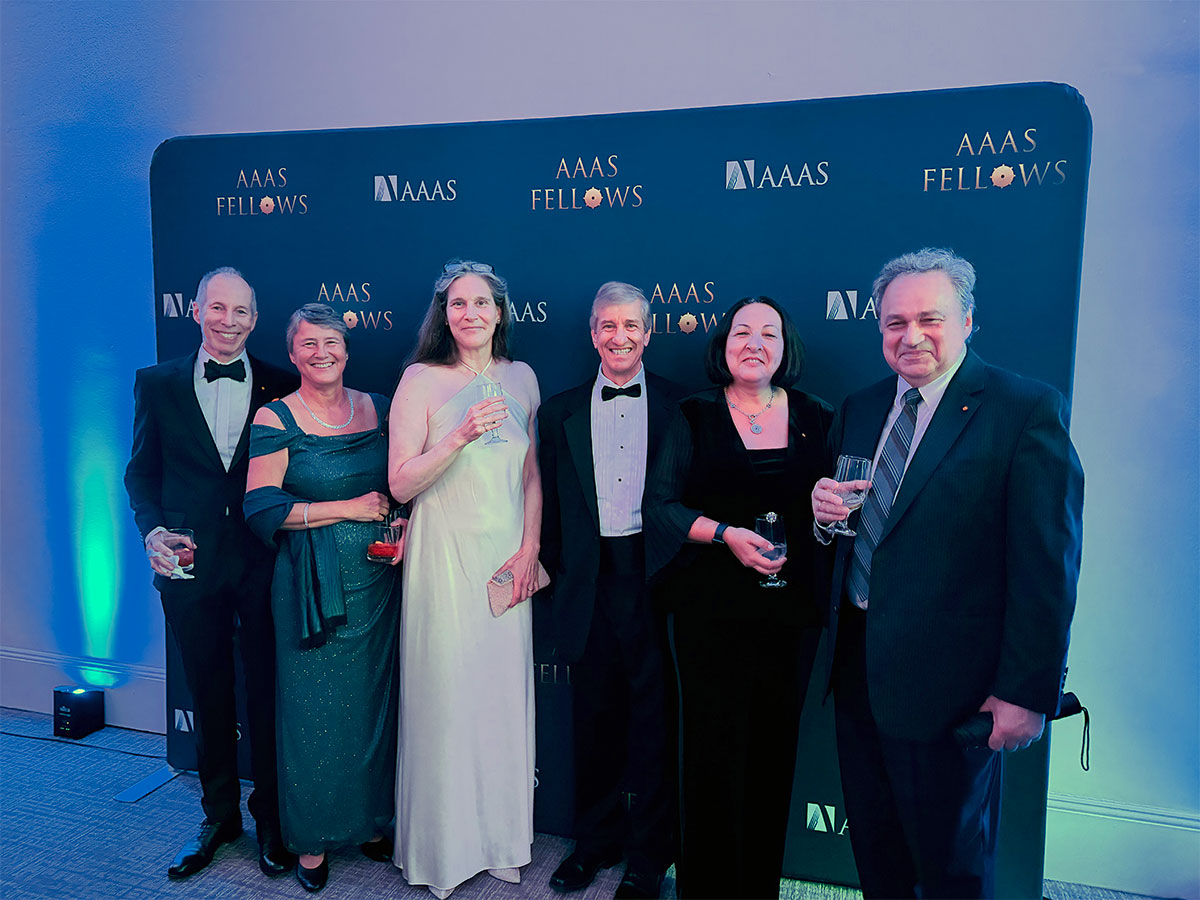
x=96, y=496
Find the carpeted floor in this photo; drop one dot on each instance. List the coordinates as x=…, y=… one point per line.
x=63, y=836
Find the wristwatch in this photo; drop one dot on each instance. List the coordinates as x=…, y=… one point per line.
x=719, y=534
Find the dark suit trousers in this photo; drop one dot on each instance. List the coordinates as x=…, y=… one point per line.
x=621, y=714
x=922, y=815
x=742, y=683
x=204, y=626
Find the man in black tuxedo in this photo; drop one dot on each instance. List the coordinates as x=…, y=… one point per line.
x=957, y=593
x=595, y=443
x=191, y=432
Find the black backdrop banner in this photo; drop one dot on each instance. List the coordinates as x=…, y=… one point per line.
x=802, y=201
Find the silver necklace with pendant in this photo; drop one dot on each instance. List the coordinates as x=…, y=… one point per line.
x=754, y=426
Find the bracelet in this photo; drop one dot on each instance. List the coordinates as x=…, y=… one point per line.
x=719, y=535
x=306, y=506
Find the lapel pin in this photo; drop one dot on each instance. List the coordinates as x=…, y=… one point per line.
x=964, y=409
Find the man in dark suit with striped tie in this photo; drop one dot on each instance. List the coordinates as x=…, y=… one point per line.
x=191, y=434
x=595, y=444
x=956, y=595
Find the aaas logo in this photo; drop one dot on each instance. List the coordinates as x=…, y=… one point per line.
x=264, y=194
x=390, y=189
x=844, y=305
x=529, y=311
x=741, y=174
x=992, y=173
x=333, y=293
x=598, y=192
x=825, y=818
x=175, y=307
x=685, y=321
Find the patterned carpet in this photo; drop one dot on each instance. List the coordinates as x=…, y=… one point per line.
x=64, y=837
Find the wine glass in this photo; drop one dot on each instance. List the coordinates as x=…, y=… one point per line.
x=181, y=542
x=385, y=541
x=487, y=390
x=770, y=526
x=850, y=468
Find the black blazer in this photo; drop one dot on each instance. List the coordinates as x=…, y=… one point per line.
x=973, y=580
x=570, y=516
x=175, y=477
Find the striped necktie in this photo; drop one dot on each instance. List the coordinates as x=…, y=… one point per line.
x=884, y=484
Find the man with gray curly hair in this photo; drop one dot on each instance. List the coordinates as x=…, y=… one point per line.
x=954, y=591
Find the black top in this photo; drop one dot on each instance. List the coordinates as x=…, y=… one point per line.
x=703, y=468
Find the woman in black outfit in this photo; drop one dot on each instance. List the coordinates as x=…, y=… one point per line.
x=743, y=653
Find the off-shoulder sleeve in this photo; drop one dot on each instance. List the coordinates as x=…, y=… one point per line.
x=266, y=439
x=667, y=519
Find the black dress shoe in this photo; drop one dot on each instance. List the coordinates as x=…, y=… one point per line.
x=579, y=870
x=273, y=857
x=198, y=852
x=639, y=885
x=313, y=879
x=380, y=850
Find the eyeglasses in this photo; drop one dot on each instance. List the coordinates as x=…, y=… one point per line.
x=458, y=267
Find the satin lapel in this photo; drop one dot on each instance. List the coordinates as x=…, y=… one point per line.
x=187, y=409
x=258, y=398
x=577, y=425
x=658, y=412
x=957, y=408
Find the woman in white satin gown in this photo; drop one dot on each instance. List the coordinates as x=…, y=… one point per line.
x=464, y=785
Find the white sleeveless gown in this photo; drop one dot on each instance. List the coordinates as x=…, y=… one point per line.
x=464, y=785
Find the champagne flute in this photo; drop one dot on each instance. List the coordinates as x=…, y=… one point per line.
x=770, y=526
x=850, y=468
x=487, y=390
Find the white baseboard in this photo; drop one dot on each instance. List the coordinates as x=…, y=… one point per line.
x=137, y=700
x=1123, y=847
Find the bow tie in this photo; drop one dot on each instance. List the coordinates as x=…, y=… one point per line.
x=607, y=393
x=214, y=370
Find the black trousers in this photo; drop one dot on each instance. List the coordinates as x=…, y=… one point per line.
x=741, y=687
x=623, y=705
x=923, y=815
x=204, y=627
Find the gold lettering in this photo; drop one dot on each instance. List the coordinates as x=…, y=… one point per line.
x=987, y=142
x=1029, y=133
x=450, y=188
x=1062, y=176
x=946, y=178
x=562, y=169
x=821, y=170
x=241, y=180
x=323, y=294
x=966, y=142
x=282, y=177
x=637, y=194
x=929, y=176
x=708, y=289
x=1034, y=173
x=978, y=186
x=612, y=164
x=1009, y=141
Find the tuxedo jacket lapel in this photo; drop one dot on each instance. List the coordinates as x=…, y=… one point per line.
x=956, y=409
x=259, y=397
x=182, y=400
x=577, y=425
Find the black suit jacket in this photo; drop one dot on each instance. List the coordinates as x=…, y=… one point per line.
x=570, y=515
x=973, y=581
x=175, y=477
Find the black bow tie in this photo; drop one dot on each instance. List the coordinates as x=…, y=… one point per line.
x=607, y=393
x=214, y=370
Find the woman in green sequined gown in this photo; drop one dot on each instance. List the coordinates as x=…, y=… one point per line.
x=318, y=482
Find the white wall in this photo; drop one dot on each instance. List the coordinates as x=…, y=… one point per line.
x=89, y=90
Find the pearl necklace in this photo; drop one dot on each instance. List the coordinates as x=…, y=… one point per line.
x=322, y=422
x=754, y=426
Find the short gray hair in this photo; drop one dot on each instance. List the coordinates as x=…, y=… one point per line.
x=613, y=293
x=202, y=287
x=319, y=314
x=931, y=259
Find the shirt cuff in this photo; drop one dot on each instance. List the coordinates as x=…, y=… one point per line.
x=822, y=534
x=152, y=532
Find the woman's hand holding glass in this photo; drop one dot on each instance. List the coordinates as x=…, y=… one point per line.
x=749, y=548
x=481, y=418
x=369, y=507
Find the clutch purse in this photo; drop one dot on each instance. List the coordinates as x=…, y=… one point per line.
x=499, y=589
